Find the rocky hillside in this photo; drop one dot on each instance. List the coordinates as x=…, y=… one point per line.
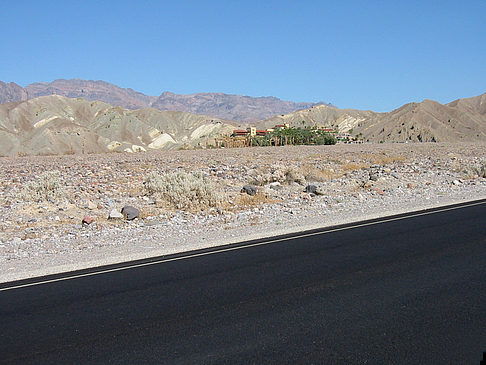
x=428, y=121
x=321, y=115
x=243, y=109
x=59, y=125
x=11, y=92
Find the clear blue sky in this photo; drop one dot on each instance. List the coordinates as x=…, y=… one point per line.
x=363, y=54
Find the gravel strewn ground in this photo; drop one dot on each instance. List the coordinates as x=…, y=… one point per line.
x=349, y=183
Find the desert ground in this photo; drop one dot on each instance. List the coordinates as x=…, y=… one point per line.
x=193, y=199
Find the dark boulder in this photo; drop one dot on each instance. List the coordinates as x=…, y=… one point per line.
x=130, y=213
x=250, y=190
x=311, y=189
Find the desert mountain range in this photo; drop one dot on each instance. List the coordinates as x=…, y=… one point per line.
x=243, y=109
x=55, y=124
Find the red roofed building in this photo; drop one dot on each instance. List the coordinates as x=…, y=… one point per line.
x=260, y=132
x=240, y=132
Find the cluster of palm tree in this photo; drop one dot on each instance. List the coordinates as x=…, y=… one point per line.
x=295, y=136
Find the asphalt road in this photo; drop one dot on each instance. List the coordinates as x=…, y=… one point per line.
x=410, y=290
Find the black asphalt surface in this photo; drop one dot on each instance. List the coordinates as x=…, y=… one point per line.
x=406, y=291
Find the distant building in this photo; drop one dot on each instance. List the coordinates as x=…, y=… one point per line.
x=328, y=130
x=343, y=137
x=239, y=132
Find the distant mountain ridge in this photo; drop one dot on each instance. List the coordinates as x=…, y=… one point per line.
x=244, y=109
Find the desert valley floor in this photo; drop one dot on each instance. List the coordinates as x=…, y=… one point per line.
x=296, y=187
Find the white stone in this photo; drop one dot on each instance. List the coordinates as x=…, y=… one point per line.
x=115, y=214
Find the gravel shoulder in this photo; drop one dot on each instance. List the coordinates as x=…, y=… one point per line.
x=297, y=188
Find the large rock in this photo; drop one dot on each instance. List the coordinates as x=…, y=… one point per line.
x=314, y=189
x=130, y=213
x=250, y=190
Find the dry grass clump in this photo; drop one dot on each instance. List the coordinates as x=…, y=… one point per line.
x=183, y=191
x=381, y=158
x=46, y=187
x=316, y=174
x=276, y=173
x=353, y=166
x=247, y=201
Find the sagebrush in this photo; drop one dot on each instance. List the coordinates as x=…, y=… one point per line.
x=189, y=191
x=46, y=186
x=480, y=170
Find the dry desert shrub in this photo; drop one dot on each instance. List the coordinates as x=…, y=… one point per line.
x=474, y=171
x=46, y=187
x=316, y=174
x=276, y=173
x=183, y=191
x=481, y=169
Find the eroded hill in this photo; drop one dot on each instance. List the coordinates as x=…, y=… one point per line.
x=60, y=125
x=428, y=121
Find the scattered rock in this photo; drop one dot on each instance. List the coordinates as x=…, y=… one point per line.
x=275, y=185
x=87, y=220
x=92, y=205
x=368, y=184
x=311, y=189
x=115, y=214
x=130, y=213
x=320, y=191
x=250, y=190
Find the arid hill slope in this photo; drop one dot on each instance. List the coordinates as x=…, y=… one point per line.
x=428, y=121
x=321, y=115
x=232, y=107
x=58, y=125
